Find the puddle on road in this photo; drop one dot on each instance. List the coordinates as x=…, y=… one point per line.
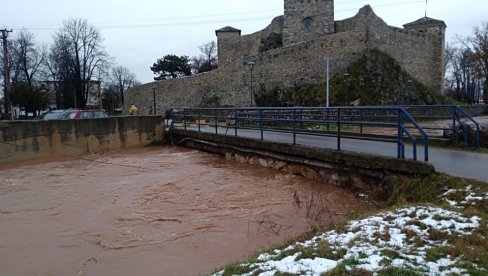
x=152, y=211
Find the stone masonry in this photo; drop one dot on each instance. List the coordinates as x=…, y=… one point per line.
x=307, y=19
x=308, y=37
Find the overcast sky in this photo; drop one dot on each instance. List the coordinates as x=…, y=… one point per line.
x=137, y=33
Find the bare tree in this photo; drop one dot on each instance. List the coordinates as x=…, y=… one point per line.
x=453, y=71
x=27, y=58
x=207, y=61
x=209, y=50
x=78, y=46
x=120, y=79
x=59, y=72
x=464, y=71
x=479, y=43
x=462, y=68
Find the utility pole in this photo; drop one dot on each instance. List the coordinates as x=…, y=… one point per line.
x=6, y=69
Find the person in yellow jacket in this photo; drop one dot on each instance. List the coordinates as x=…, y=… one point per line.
x=133, y=111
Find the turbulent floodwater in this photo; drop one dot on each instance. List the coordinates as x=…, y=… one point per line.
x=153, y=211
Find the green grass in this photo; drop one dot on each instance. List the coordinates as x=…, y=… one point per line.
x=397, y=271
x=322, y=250
x=392, y=254
x=341, y=270
x=415, y=190
x=235, y=268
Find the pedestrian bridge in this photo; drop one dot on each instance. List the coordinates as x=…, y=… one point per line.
x=400, y=132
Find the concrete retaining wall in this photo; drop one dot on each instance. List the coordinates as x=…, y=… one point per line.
x=27, y=140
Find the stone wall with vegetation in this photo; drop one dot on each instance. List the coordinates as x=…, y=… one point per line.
x=28, y=140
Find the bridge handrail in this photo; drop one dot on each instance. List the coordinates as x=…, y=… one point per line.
x=299, y=120
x=465, y=127
x=424, y=135
x=454, y=111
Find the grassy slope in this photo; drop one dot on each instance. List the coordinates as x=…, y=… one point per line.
x=436, y=190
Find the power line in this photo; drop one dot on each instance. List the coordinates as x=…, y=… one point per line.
x=52, y=27
x=191, y=17
x=184, y=21
x=400, y=4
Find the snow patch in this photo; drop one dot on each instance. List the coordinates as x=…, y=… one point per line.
x=395, y=238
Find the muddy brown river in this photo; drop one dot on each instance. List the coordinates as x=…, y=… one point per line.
x=152, y=211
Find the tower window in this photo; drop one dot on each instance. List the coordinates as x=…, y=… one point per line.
x=307, y=22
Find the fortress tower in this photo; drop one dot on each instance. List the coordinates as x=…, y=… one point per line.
x=435, y=28
x=225, y=37
x=307, y=19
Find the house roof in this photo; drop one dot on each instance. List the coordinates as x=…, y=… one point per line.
x=425, y=21
x=228, y=29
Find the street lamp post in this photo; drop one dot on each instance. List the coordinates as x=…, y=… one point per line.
x=346, y=78
x=406, y=92
x=327, y=61
x=251, y=64
x=154, y=101
x=100, y=93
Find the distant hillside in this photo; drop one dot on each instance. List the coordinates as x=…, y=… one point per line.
x=373, y=79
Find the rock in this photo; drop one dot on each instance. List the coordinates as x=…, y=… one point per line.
x=263, y=162
x=334, y=179
x=278, y=165
x=253, y=160
x=308, y=173
x=228, y=156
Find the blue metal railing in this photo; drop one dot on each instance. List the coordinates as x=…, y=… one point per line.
x=452, y=113
x=336, y=122
x=456, y=112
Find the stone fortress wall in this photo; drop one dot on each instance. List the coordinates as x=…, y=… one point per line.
x=418, y=51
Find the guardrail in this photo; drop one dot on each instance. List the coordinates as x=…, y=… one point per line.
x=337, y=122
